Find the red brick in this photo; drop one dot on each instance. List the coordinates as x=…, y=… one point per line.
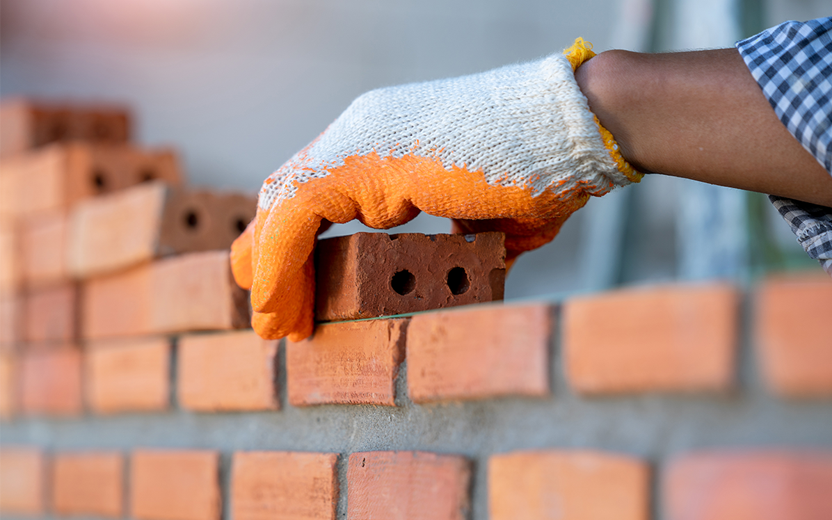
x=284, y=486
x=27, y=124
x=50, y=382
x=227, y=371
x=43, y=244
x=8, y=385
x=131, y=375
x=88, y=484
x=346, y=363
x=672, y=338
x=180, y=294
x=549, y=484
x=51, y=315
x=792, y=335
x=22, y=479
x=56, y=177
x=10, y=268
x=11, y=316
x=123, y=229
x=174, y=485
x=367, y=275
x=752, y=485
x=407, y=485
x=479, y=352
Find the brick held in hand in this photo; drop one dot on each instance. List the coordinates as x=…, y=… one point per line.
x=184, y=293
x=27, y=124
x=123, y=229
x=367, y=275
x=56, y=177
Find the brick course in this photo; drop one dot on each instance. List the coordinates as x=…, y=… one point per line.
x=43, y=244
x=549, y=484
x=679, y=338
x=284, y=486
x=481, y=352
x=407, y=485
x=89, y=484
x=231, y=371
x=128, y=375
x=51, y=315
x=346, y=363
x=792, y=335
x=174, y=485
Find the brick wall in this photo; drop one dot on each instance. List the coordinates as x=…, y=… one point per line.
x=126, y=392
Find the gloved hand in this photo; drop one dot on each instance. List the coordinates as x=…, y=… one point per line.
x=514, y=149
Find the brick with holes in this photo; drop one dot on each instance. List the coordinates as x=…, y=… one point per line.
x=27, y=124
x=138, y=224
x=367, y=275
x=56, y=177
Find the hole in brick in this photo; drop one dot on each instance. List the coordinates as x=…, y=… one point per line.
x=403, y=282
x=240, y=224
x=147, y=175
x=458, y=280
x=470, y=238
x=191, y=219
x=99, y=180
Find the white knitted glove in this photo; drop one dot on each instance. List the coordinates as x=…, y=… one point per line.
x=515, y=149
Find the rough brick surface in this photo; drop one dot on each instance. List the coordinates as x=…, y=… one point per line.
x=135, y=225
x=50, y=381
x=227, y=371
x=51, y=315
x=479, y=352
x=58, y=176
x=25, y=124
x=174, y=485
x=22, y=481
x=8, y=385
x=43, y=244
x=671, y=338
x=407, y=485
x=88, y=484
x=128, y=375
x=284, y=486
x=346, y=363
x=179, y=294
x=757, y=485
x=793, y=337
x=545, y=485
x=375, y=274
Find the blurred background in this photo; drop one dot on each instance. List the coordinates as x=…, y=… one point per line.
x=239, y=86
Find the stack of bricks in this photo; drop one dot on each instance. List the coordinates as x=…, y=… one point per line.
x=680, y=402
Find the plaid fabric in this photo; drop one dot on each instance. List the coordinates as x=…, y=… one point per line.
x=792, y=63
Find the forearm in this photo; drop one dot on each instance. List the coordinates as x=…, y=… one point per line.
x=700, y=115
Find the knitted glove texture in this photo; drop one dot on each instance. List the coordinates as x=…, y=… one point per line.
x=514, y=149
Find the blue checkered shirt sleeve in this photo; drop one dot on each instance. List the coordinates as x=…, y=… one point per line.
x=792, y=63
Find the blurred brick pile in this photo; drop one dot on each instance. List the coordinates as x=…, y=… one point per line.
x=99, y=321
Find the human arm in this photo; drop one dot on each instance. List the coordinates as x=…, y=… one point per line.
x=700, y=115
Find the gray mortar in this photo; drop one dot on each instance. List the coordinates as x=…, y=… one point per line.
x=653, y=427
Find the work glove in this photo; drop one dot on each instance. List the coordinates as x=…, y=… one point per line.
x=514, y=149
